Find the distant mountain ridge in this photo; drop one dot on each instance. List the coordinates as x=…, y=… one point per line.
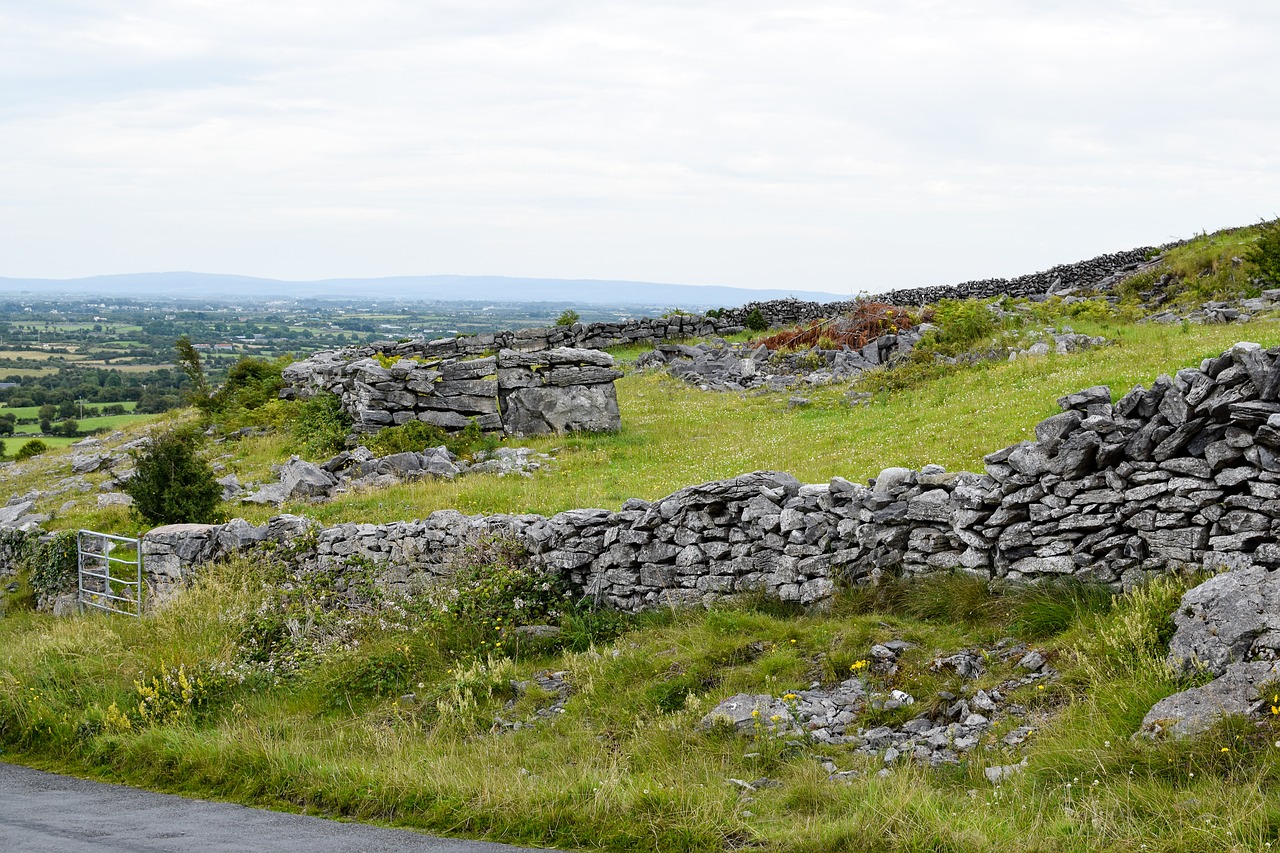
x=448, y=288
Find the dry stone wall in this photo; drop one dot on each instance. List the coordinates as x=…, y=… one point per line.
x=1180, y=475
x=1099, y=273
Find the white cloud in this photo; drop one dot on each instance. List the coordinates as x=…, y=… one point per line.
x=839, y=146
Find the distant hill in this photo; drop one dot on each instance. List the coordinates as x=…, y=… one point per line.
x=450, y=288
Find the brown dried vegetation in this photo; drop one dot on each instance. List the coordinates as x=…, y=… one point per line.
x=855, y=329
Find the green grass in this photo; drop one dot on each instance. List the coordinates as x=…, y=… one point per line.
x=1205, y=268
x=34, y=411
x=674, y=435
x=15, y=443
x=625, y=767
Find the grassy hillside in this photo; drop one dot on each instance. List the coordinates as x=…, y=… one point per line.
x=266, y=688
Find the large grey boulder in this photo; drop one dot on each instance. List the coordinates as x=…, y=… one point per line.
x=1193, y=711
x=1230, y=618
x=11, y=515
x=302, y=479
x=576, y=408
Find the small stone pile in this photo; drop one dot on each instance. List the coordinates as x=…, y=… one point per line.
x=833, y=716
x=554, y=684
x=1060, y=343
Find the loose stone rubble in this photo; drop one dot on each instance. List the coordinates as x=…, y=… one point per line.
x=359, y=468
x=719, y=366
x=834, y=715
x=553, y=684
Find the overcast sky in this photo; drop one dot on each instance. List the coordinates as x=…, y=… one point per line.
x=843, y=146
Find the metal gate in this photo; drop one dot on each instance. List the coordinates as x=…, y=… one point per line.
x=110, y=570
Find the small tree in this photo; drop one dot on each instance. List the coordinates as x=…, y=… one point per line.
x=568, y=317
x=171, y=483
x=1264, y=254
x=755, y=320
x=189, y=361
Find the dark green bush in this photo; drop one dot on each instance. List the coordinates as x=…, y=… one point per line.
x=413, y=437
x=568, y=317
x=755, y=321
x=34, y=447
x=1264, y=255
x=172, y=483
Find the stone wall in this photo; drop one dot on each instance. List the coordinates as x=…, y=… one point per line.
x=1099, y=273
x=1183, y=474
x=573, y=386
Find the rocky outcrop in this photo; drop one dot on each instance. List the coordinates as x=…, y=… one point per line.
x=718, y=366
x=1194, y=711
x=1228, y=626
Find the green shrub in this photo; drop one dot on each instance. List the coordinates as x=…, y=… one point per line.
x=320, y=426
x=494, y=583
x=417, y=436
x=172, y=484
x=755, y=321
x=251, y=383
x=1264, y=255
x=568, y=317
x=961, y=323
x=413, y=437
x=34, y=447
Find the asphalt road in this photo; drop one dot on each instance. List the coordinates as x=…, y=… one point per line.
x=46, y=813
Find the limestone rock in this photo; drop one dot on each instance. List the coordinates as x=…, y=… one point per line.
x=577, y=408
x=1193, y=711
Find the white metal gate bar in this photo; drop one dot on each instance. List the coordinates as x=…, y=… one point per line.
x=107, y=581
